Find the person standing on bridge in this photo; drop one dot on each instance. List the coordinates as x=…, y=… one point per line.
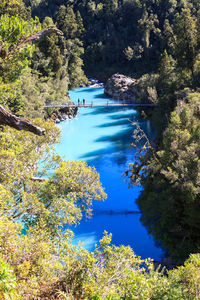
x=83, y=102
x=78, y=102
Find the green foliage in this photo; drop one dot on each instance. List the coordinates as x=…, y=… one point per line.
x=57, y=200
x=32, y=257
x=66, y=20
x=72, y=27
x=145, y=88
x=109, y=28
x=170, y=179
x=24, y=90
x=13, y=29
x=188, y=277
x=109, y=272
x=7, y=281
x=38, y=259
x=13, y=8
x=187, y=41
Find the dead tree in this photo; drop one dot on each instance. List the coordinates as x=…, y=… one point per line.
x=6, y=118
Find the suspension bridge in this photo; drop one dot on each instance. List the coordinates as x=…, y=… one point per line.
x=85, y=105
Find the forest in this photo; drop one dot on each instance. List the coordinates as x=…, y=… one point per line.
x=47, y=48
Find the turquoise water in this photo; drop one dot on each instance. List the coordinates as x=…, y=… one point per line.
x=103, y=136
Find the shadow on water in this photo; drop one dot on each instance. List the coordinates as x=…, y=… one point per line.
x=118, y=159
x=123, y=137
x=101, y=96
x=93, y=157
x=87, y=90
x=123, y=116
x=133, y=116
x=120, y=141
x=107, y=110
x=128, y=120
x=98, y=153
x=124, y=121
x=112, y=212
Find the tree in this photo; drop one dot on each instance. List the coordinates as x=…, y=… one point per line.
x=72, y=27
x=66, y=21
x=187, y=44
x=70, y=190
x=148, y=24
x=7, y=281
x=15, y=48
x=17, y=37
x=109, y=7
x=14, y=8
x=170, y=179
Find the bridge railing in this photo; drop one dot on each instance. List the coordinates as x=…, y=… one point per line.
x=91, y=104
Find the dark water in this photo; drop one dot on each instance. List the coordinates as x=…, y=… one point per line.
x=103, y=136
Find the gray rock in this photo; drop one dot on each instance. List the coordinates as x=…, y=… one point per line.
x=142, y=90
x=119, y=87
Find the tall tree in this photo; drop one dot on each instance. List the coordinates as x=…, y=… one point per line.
x=187, y=41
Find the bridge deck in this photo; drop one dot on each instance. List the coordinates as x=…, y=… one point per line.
x=100, y=105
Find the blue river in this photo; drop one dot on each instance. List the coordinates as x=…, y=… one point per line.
x=102, y=136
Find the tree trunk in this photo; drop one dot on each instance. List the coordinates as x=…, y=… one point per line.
x=6, y=118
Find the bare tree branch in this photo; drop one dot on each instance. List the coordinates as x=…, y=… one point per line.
x=33, y=38
x=139, y=135
x=6, y=118
x=38, y=179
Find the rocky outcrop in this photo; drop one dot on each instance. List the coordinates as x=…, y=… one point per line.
x=63, y=114
x=118, y=87
x=140, y=90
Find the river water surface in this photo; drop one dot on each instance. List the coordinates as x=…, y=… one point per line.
x=102, y=136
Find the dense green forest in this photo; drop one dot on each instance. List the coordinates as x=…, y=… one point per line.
x=155, y=41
